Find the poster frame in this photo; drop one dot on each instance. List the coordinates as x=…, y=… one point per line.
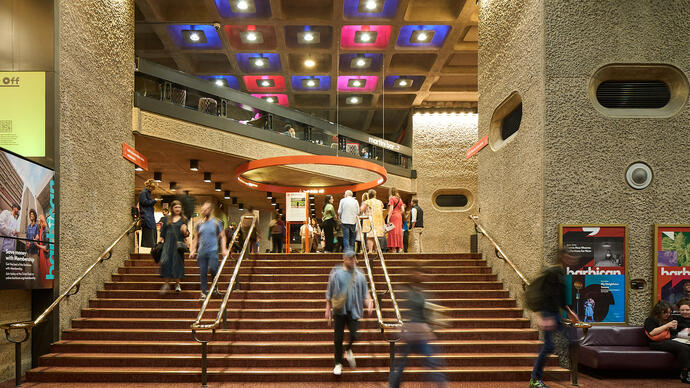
x=656, y=256
x=626, y=264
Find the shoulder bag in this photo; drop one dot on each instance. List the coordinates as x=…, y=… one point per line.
x=338, y=301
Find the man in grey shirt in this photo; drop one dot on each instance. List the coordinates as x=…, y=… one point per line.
x=348, y=211
x=357, y=295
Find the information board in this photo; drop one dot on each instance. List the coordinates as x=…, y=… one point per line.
x=23, y=112
x=296, y=207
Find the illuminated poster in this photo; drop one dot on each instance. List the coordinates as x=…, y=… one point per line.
x=22, y=112
x=296, y=207
x=595, y=285
x=672, y=262
x=27, y=223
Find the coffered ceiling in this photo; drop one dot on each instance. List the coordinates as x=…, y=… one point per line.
x=391, y=55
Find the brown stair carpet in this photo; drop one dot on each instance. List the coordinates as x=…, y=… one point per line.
x=276, y=331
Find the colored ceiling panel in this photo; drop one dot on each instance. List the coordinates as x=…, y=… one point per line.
x=246, y=62
x=346, y=63
x=262, y=9
x=253, y=83
x=370, y=81
x=383, y=35
x=209, y=39
x=282, y=98
x=228, y=80
x=352, y=9
x=416, y=83
x=440, y=33
x=298, y=82
x=234, y=34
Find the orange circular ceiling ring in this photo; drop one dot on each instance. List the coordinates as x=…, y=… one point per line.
x=281, y=161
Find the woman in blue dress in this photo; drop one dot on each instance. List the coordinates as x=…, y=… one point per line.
x=174, y=230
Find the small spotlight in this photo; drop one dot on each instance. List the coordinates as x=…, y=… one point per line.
x=227, y=194
x=309, y=62
x=207, y=177
x=266, y=83
x=243, y=6
x=219, y=186
x=137, y=168
x=173, y=186
x=353, y=100
x=356, y=83
x=270, y=99
x=251, y=37
x=308, y=37
x=311, y=83
x=194, y=36
x=194, y=165
x=403, y=83
x=360, y=62
x=422, y=36
x=369, y=6
x=158, y=176
x=220, y=82
x=365, y=36
x=258, y=61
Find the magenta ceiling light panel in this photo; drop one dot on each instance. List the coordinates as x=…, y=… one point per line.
x=370, y=81
x=378, y=42
x=282, y=99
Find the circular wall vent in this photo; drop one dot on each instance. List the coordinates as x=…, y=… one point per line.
x=638, y=175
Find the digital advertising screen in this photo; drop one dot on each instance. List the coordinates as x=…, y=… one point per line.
x=27, y=223
x=23, y=112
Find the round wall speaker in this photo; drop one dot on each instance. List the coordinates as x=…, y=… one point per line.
x=638, y=175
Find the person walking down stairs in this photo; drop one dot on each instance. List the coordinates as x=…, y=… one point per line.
x=207, y=234
x=173, y=234
x=346, y=294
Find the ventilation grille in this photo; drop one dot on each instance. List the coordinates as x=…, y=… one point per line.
x=633, y=94
x=451, y=200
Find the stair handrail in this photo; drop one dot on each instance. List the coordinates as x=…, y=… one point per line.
x=213, y=326
x=499, y=252
x=379, y=315
x=73, y=289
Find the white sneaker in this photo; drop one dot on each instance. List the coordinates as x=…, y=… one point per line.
x=350, y=358
x=178, y=288
x=338, y=370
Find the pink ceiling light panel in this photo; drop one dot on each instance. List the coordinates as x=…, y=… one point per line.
x=370, y=85
x=282, y=98
x=253, y=83
x=383, y=35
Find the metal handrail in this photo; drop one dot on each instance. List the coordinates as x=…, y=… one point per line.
x=73, y=289
x=499, y=252
x=222, y=311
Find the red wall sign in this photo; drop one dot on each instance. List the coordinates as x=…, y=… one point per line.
x=477, y=147
x=134, y=156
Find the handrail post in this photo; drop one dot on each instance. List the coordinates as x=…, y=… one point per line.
x=391, y=345
x=204, y=361
x=18, y=363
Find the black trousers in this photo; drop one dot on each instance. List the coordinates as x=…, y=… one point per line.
x=681, y=351
x=277, y=240
x=339, y=322
x=406, y=240
x=328, y=226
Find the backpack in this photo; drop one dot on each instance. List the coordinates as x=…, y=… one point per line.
x=534, y=294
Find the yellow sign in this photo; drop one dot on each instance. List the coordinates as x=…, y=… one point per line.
x=23, y=112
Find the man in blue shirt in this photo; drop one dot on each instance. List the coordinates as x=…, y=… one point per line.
x=205, y=245
x=341, y=281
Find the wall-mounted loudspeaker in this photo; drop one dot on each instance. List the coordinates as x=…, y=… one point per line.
x=638, y=175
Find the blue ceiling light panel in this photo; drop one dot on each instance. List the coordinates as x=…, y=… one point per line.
x=198, y=36
x=223, y=81
x=361, y=62
x=258, y=63
x=237, y=9
x=361, y=9
x=403, y=83
x=423, y=36
x=311, y=83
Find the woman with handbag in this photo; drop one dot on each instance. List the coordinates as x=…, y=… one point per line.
x=373, y=207
x=173, y=234
x=661, y=330
x=395, y=234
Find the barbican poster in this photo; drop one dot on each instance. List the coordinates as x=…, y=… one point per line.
x=672, y=263
x=595, y=284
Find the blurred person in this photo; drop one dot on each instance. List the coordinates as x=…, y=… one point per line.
x=548, y=310
x=276, y=227
x=306, y=233
x=347, y=286
x=394, y=240
x=661, y=330
x=329, y=220
x=208, y=233
x=417, y=330
x=289, y=131
x=416, y=225
x=149, y=233
x=348, y=211
x=339, y=236
x=173, y=232
x=361, y=240
x=316, y=239
x=229, y=232
x=9, y=226
x=406, y=230
x=374, y=208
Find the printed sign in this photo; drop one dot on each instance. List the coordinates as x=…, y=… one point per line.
x=134, y=156
x=27, y=224
x=596, y=283
x=296, y=207
x=23, y=112
x=672, y=263
x=477, y=147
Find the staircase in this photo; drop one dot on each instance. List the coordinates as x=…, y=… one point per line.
x=276, y=330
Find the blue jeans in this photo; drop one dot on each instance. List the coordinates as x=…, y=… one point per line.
x=421, y=347
x=207, y=261
x=348, y=237
x=547, y=348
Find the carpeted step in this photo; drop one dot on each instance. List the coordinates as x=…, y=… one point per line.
x=300, y=278
x=325, y=270
x=189, y=263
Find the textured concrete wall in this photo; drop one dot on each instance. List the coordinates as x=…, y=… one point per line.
x=511, y=189
x=16, y=306
x=587, y=153
x=439, y=143
x=95, y=52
